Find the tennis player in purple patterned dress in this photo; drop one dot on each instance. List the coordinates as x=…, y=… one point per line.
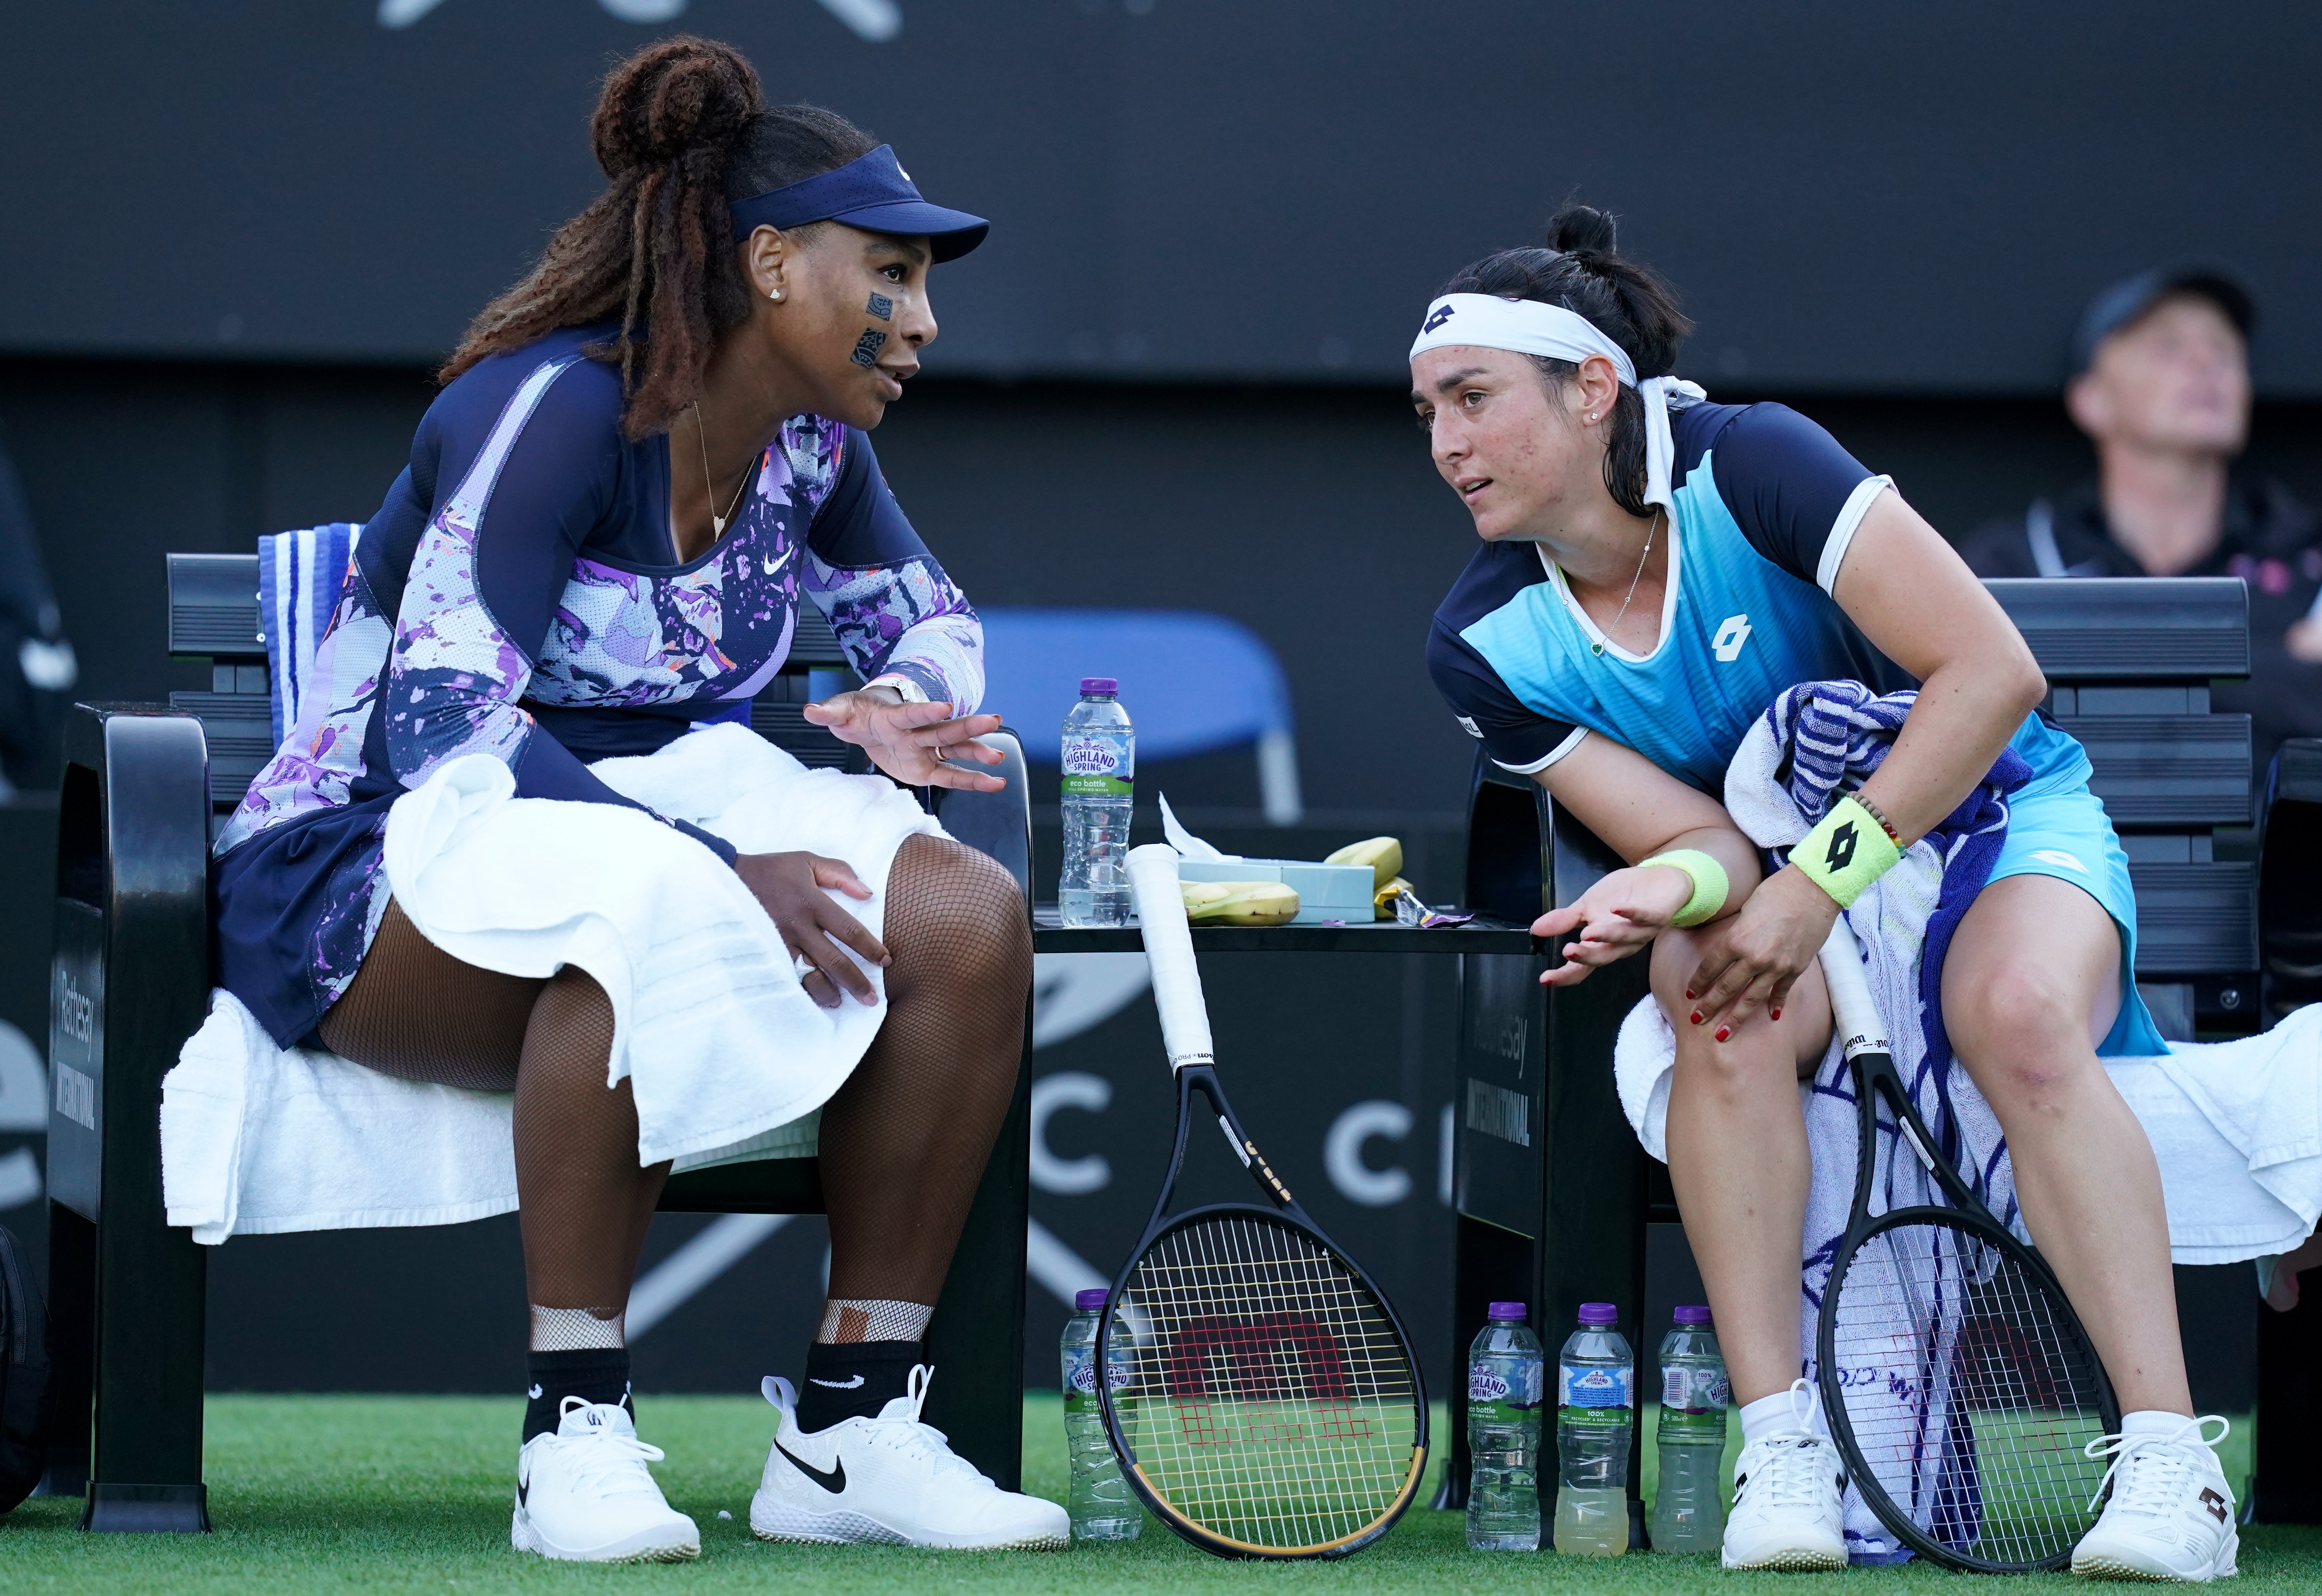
x=647, y=455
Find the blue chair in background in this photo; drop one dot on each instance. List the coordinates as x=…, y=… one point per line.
x=1193, y=682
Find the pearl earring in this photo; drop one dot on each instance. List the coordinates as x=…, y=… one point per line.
x=775, y=295
x=1592, y=415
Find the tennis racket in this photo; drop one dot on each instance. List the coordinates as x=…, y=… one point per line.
x=1957, y=1382
x=1260, y=1394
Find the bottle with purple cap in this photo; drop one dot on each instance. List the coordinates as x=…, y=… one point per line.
x=1690, y=1501
x=1099, y=763
x=1505, y=1386
x=1098, y=1500
x=1595, y=1416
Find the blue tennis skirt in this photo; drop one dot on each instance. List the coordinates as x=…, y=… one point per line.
x=2057, y=827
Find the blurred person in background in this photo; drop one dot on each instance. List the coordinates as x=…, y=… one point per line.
x=2161, y=383
x=37, y=667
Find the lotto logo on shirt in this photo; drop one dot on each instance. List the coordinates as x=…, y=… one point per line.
x=1727, y=644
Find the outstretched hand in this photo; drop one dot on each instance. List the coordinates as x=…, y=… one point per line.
x=919, y=745
x=1618, y=916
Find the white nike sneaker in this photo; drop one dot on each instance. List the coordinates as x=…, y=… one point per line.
x=583, y=1493
x=2172, y=1513
x=889, y=1480
x=1788, y=1501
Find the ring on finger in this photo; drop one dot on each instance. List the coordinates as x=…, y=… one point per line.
x=940, y=756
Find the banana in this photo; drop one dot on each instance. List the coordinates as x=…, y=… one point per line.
x=1383, y=900
x=1239, y=903
x=1384, y=855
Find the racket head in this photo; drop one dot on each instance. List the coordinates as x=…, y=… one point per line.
x=1960, y=1389
x=1271, y=1405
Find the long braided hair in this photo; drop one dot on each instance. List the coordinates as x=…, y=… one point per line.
x=679, y=130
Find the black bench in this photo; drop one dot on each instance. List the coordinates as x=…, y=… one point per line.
x=143, y=788
x=1552, y=1193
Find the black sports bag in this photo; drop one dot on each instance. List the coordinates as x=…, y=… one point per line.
x=23, y=1377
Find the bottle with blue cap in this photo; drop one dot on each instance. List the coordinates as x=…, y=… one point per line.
x=1099, y=763
x=1595, y=1420
x=1504, y=1382
x=1100, y=1506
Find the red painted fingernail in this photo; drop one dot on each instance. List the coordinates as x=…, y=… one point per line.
x=1697, y=1016
x=1723, y=1031
x=1690, y=994
x=1778, y=1014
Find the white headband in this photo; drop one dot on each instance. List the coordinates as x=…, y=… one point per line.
x=1527, y=326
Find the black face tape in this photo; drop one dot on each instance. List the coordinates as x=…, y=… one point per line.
x=867, y=347
x=881, y=307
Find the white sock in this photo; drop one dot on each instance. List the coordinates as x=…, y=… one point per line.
x=572, y=1329
x=2153, y=1421
x=1778, y=1415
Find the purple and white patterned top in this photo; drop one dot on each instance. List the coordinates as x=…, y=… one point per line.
x=518, y=595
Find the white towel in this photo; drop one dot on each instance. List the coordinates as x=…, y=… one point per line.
x=728, y=1055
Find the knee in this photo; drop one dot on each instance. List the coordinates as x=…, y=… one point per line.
x=2020, y=1036
x=968, y=927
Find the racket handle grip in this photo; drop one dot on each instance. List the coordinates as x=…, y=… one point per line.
x=1860, y=1027
x=1170, y=954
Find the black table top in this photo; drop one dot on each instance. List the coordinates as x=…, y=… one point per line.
x=1480, y=935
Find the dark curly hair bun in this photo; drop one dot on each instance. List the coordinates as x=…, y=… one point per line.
x=680, y=129
x=680, y=97
x=1582, y=230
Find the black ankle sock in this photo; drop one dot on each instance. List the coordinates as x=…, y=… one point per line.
x=593, y=1374
x=857, y=1378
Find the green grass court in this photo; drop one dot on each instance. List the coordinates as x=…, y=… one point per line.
x=411, y=1493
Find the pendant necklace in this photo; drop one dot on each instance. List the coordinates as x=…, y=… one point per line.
x=1640, y=576
x=718, y=522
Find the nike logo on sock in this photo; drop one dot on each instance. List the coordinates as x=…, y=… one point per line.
x=841, y=1385
x=534, y=1393
x=832, y=1480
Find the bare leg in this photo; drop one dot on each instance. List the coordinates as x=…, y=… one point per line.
x=1738, y=1157
x=2031, y=985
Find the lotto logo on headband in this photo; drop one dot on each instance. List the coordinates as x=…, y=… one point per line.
x=1442, y=313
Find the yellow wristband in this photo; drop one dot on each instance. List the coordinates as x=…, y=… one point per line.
x=1846, y=852
x=1710, y=886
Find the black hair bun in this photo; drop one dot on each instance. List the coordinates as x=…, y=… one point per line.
x=1582, y=230
x=681, y=97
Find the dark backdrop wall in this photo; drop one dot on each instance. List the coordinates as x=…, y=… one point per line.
x=1883, y=198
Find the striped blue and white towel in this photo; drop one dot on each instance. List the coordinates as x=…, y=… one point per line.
x=299, y=576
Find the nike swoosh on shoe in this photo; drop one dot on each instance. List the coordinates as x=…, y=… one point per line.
x=832, y=1480
x=841, y=1385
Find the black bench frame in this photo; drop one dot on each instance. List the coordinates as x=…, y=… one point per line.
x=143, y=786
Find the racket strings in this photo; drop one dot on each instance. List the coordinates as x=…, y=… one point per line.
x=1970, y=1394
x=1270, y=1400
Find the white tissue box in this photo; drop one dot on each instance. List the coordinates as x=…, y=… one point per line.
x=1325, y=892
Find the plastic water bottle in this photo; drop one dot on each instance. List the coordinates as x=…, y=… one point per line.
x=1100, y=761
x=1100, y=1503
x=1505, y=1386
x=1595, y=1414
x=1689, y=1504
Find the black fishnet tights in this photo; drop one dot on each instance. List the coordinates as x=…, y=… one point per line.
x=414, y=1011
x=905, y=1140
x=904, y=1143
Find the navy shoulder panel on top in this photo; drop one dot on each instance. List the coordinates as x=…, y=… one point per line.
x=859, y=525
x=1513, y=734
x=1787, y=483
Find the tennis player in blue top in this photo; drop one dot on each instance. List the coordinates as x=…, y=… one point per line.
x=1655, y=569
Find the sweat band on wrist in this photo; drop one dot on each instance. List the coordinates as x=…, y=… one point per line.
x=1846, y=852
x=1710, y=886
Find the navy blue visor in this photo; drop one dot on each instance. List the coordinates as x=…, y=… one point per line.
x=873, y=192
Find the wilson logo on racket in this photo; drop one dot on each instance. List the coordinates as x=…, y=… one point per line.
x=1841, y=848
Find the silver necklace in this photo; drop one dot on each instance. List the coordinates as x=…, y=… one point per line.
x=1640, y=576
x=710, y=485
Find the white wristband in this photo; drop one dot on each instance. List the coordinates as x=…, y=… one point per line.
x=908, y=691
